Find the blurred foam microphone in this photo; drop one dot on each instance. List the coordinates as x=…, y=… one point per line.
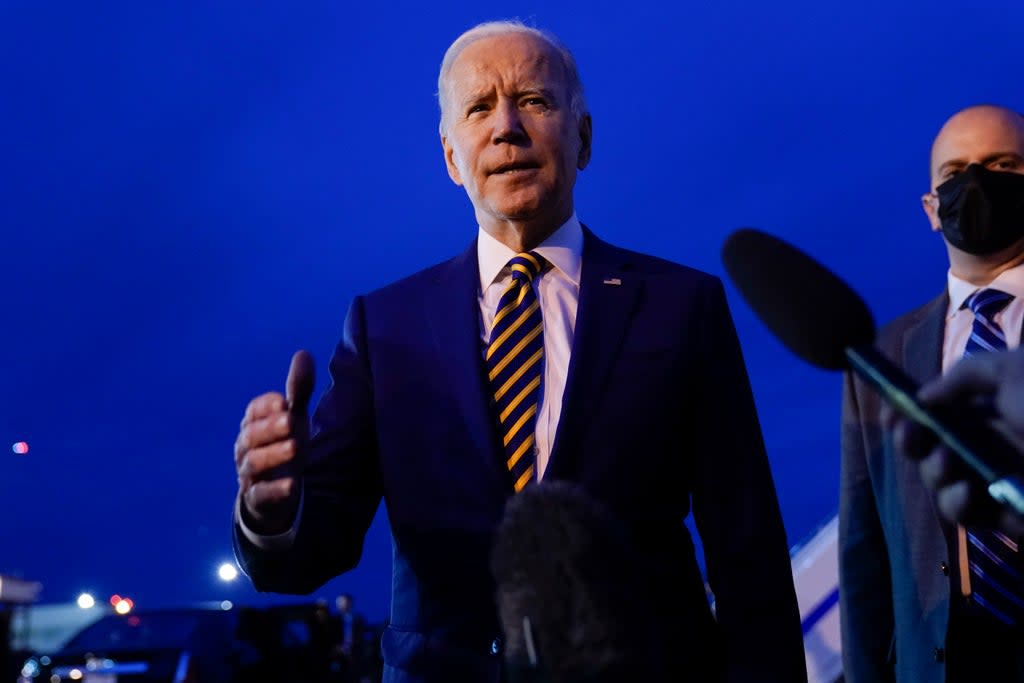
x=569, y=596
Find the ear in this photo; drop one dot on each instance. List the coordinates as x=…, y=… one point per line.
x=449, y=161
x=930, y=204
x=586, y=136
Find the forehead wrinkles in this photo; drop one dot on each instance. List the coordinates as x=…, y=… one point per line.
x=481, y=72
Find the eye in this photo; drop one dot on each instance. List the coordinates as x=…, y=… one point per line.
x=476, y=109
x=535, y=101
x=1007, y=164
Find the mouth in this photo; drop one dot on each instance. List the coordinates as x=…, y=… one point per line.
x=515, y=167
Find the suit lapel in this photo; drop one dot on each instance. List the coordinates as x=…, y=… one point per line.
x=454, y=315
x=922, y=342
x=608, y=296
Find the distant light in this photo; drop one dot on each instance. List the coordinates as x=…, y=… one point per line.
x=227, y=572
x=114, y=599
x=54, y=678
x=21, y=448
x=86, y=601
x=44, y=660
x=75, y=674
x=30, y=669
x=226, y=605
x=124, y=606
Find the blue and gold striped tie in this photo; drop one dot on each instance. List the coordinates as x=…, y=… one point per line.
x=997, y=567
x=514, y=363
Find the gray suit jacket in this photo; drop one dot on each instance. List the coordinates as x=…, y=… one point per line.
x=893, y=571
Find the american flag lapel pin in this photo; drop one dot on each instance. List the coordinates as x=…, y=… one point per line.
x=612, y=281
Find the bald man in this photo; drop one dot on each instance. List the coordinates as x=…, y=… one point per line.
x=914, y=606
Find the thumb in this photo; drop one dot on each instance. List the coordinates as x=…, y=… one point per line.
x=299, y=385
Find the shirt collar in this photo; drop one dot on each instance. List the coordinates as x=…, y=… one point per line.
x=1010, y=281
x=563, y=249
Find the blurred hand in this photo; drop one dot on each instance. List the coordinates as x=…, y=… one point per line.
x=270, y=450
x=995, y=382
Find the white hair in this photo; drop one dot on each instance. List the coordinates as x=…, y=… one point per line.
x=490, y=29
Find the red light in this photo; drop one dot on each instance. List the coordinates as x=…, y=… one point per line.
x=20, y=448
x=114, y=599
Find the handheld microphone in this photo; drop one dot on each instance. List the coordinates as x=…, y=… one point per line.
x=822, y=320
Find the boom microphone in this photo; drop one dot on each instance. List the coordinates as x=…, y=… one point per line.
x=823, y=321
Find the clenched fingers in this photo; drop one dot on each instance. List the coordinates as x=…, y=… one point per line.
x=954, y=501
x=911, y=439
x=272, y=503
x=263, y=432
x=258, y=462
x=940, y=468
x=264, y=406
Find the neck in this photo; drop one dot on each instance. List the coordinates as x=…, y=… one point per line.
x=981, y=270
x=523, y=235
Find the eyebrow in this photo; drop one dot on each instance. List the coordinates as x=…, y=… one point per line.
x=474, y=97
x=545, y=92
x=984, y=162
x=483, y=95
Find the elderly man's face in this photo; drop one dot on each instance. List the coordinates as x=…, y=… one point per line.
x=510, y=137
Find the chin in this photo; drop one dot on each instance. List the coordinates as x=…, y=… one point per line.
x=517, y=211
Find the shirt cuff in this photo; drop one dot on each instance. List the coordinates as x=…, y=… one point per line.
x=281, y=541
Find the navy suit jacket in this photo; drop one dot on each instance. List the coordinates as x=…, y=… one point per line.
x=657, y=417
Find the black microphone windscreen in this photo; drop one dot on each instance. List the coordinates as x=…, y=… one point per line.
x=566, y=562
x=809, y=308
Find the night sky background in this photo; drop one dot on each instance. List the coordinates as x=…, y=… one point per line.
x=191, y=191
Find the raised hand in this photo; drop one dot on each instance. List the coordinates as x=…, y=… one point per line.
x=270, y=450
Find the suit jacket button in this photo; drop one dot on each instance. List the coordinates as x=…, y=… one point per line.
x=944, y=568
x=496, y=646
x=940, y=655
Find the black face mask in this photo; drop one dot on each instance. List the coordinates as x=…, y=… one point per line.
x=982, y=211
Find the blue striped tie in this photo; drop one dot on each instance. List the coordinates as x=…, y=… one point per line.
x=515, y=356
x=997, y=569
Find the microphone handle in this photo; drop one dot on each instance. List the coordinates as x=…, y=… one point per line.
x=985, y=445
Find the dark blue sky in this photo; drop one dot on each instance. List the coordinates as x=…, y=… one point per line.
x=190, y=191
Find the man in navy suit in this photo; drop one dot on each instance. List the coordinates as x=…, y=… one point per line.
x=539, y=352
x=911, y=607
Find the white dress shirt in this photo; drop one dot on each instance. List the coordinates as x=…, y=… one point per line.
x=960, y=320
x=558, y=291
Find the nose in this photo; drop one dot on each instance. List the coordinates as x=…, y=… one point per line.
x=508, y=124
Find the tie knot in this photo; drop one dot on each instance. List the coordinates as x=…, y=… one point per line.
x=526, y=266
x=987, y=302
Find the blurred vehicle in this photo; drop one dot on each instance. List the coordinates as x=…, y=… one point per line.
x=193, y=645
